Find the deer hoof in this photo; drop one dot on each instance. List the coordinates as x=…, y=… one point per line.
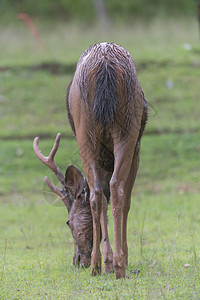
x=96, y=270
x=120, y=272
x=108, y=267
x=96, y=263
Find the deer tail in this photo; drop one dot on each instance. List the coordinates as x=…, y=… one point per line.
x=106, y=102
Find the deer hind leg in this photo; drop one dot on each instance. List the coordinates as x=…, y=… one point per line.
x=129, y=185
x=89, y=167
x=120, y=202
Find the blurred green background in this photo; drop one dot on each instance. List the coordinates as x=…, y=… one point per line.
x=86, y=10
x=36, y=65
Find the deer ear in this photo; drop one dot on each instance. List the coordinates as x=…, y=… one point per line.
x=74, y=181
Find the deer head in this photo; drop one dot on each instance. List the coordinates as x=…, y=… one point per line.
x=75, y=195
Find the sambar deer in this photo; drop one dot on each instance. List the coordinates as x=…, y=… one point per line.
x=107, y=112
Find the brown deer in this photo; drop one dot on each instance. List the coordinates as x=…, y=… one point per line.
x=107, y=111
x=75, y=195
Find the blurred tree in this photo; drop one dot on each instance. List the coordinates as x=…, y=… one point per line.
x=101, y=13
x=198, y=14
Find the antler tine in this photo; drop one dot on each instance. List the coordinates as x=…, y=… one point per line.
x=58, y=192
x=55, y=146
x=49, y=160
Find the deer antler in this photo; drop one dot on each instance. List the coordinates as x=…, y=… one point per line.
x=50, y=163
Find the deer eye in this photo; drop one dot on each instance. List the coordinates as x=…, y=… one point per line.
x=68, y=221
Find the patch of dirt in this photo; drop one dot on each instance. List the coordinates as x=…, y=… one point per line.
x=186, y=188
x=51, y=67
x=32, y=136
x=70, y=136
x=60, y=68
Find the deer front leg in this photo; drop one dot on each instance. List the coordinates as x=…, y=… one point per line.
x=95, y=204
x=106, y=248
x=117, y=199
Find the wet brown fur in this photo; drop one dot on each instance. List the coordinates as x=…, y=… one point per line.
x=108, y=113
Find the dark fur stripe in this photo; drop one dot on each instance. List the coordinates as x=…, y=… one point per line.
x=105, y=97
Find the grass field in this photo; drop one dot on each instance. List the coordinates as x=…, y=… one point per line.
x=36, y=247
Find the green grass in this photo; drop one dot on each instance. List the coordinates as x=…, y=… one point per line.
x=37, y=251
x=36, y=247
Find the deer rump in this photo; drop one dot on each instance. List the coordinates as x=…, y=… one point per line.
x=106, y=79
